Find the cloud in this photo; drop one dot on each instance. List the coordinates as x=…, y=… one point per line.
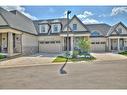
x=85, y=14
x=86, y=18
x=103, y=15
x=118, y=10
x=20, y=9
x=90, y=21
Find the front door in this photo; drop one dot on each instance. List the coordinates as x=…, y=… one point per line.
x=121, y=44
x=65, y=43
x=113, y=44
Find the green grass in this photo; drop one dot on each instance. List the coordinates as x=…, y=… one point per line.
x=2, y=56
x=63, y=59
x=123, y=53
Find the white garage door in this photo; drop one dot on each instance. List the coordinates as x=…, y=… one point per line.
x=98, y=46
x=50, y=46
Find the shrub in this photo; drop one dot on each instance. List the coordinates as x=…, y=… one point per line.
x=2, y=56
x=75, y=53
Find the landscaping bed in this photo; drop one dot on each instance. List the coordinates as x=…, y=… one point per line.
x=123, y=53
x=63, y=59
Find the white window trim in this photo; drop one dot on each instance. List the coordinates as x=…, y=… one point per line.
x=54, y=27
x=40, y=27
x=73, y=27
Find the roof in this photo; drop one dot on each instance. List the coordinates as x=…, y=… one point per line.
x=101, y=28
x=16, y=20
x=113, y=28
x=61, y=21
x=78, y=21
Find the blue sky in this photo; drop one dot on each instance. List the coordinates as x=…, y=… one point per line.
x=88, y=14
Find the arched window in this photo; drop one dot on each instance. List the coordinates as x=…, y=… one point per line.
x=95, y=33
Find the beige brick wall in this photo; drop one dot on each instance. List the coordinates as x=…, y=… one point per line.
x=29, y=44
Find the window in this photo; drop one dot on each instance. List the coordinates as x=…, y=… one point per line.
x=41, y=42
x=120, y=30
x=42, y=29
x=57, y=41
x=74, y=27
x=55, y=29
x=52, y=42
x=95, y=33
x=102, y=42
x=47, y=42
x=97, y=42
x=92, y=42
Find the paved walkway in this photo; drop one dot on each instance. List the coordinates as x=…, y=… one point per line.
x=108, y=56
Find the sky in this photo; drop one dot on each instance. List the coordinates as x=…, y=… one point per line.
x=87, y=14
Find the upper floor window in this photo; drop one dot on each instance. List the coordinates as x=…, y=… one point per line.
x=95, y=33
x=42, y=29
x=74, y=27
x=55, y=28
x=120, y=30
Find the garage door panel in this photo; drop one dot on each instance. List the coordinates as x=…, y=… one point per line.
x=50, y=48
x=98, y=47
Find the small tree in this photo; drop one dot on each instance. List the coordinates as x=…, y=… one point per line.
x=84, y=45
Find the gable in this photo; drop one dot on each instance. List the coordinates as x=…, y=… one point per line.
x=124, y=30
x=118, y=29
x=80, y=26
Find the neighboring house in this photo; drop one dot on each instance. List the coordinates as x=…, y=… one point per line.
x=21, y=35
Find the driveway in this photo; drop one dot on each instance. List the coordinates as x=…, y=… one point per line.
x=36, y=59
x=108, y=56
x=106, y=75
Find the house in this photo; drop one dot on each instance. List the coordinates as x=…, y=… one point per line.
x=21, y=35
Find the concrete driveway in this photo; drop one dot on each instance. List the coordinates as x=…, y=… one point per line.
x=108, y=56
x=36, y=59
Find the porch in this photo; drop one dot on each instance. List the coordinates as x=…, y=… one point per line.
x=117, y=43
x=10, y=43
x=73, y=41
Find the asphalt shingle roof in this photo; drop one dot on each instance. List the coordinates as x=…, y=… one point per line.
x=101, y=28
x=17, y=21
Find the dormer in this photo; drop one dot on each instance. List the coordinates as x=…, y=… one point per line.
x=55, y=28
x=43, y=28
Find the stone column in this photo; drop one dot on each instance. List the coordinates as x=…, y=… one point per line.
x=72, y=44
x=109, y=44
x=118, y=44
x=10, y=44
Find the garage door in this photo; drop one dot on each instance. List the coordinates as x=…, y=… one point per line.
x=98, y=46
x=50, y=46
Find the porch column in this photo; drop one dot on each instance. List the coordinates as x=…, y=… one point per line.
x=10, y=43
x=109, y=44
x=72, y=44
x=118, y=44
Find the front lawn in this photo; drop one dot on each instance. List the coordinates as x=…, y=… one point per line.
x=123, y=53
x=63, y=59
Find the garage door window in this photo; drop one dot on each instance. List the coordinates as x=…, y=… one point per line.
x=41, y=42
x=97, y=42
x=47, y=42
x=57, y=41
x=93, y=43
x=52, y=42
